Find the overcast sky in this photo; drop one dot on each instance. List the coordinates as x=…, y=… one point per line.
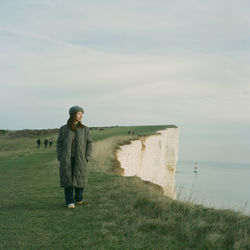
x=137, y=62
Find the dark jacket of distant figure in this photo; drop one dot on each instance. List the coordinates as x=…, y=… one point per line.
x=83, y=150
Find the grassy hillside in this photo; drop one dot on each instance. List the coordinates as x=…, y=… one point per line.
x=119, y=212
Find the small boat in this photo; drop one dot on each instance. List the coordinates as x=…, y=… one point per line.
x=196, y=167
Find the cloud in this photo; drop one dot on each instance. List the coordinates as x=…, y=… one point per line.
x=163, y=26
x=185, y=85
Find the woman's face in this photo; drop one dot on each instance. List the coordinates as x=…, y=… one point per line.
x=78, y=116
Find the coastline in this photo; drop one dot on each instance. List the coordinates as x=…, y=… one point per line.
x=153, y=158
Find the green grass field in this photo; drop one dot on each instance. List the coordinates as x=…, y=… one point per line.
x=119, y=212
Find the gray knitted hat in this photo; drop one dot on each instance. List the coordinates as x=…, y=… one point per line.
x=75, y=109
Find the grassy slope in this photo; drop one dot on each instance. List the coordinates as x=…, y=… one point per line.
x=120, y=212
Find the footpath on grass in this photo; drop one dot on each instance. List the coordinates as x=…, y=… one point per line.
x=119, y=212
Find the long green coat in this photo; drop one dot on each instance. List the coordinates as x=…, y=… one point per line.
x=82, y=155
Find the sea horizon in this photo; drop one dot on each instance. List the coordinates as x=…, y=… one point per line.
x=220, y=185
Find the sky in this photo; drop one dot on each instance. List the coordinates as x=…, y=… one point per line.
x=137, y=62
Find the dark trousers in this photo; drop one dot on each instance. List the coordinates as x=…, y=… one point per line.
x=69, y=194
x=69, y=191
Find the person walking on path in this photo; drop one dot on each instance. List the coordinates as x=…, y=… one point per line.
x=45, y=143
x=50, y=142
x=38, y=142
x=74, y=149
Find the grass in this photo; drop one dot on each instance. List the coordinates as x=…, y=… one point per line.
x=119, y=212
x=123, y=130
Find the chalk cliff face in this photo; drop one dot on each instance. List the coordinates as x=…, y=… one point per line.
x=153, y=158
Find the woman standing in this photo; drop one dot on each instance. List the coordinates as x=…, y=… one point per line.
x=74, y=147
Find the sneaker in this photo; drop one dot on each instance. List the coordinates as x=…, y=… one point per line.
x=79, y=202
x=71, y=205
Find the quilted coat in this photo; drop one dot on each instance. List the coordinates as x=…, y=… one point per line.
x=83, y=140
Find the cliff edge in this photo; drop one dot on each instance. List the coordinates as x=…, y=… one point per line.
x=153, y=158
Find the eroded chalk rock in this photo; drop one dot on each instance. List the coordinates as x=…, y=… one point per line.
x=153, y=158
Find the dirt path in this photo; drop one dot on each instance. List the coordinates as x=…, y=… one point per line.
x=103, y=151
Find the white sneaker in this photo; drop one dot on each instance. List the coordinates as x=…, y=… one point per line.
x=71, y=205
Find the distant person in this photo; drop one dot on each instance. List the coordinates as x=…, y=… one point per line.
x=38, y=142
x=45, y=143
x=74, y=148
x=50, y=142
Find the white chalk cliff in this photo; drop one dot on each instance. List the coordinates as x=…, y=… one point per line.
x=153, y=158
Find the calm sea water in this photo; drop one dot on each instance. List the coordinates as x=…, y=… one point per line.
x=219, y=185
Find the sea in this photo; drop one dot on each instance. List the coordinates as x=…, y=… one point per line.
x=216, y=184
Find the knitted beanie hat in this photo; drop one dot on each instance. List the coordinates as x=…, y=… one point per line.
x=75, y=109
